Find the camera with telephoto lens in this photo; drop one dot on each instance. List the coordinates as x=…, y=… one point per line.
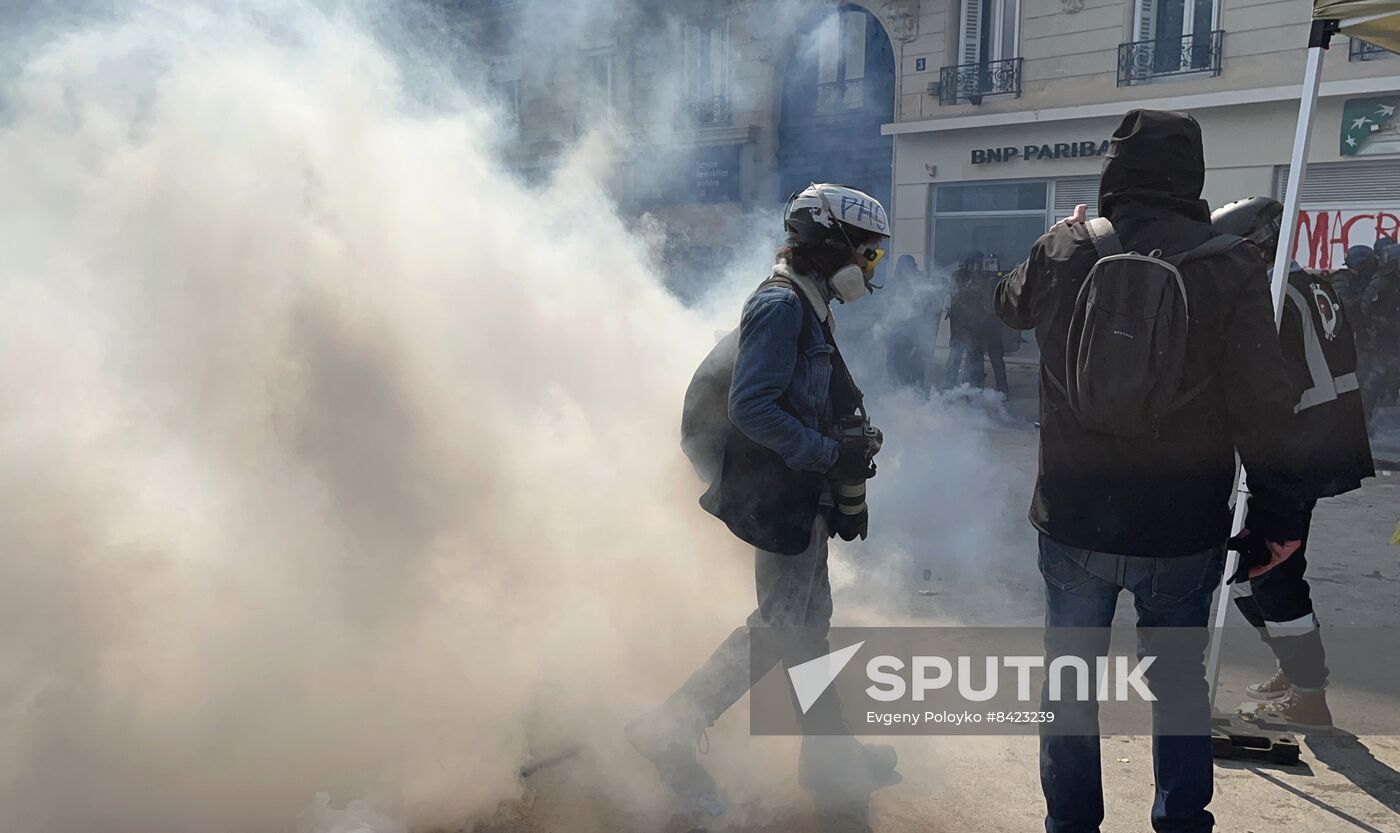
x=855, y=431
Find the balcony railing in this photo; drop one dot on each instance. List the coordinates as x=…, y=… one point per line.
x=973, y=82
x=1363, y=51
x=1190, y=55
x=692, y=113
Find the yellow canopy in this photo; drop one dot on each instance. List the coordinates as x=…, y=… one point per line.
x=1374, y=21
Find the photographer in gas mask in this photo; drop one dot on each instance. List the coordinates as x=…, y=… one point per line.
x=793, y=459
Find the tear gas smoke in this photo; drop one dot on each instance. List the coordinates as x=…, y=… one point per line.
x=330, y=451
x=333, y=459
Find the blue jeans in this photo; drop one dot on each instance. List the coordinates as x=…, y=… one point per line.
x=1081, y=591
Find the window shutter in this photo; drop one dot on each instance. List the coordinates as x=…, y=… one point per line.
x=1146, y=20
x=598, y=81
x=1004, y=30
x=970, y=36
x=694, y=61
x=829, y=49
x=853, y=44
x=1364, y=184
x=1071, y=191
x=719, y=58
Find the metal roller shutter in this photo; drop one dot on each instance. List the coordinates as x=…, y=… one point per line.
x=1072, y=191
x=1337, y=184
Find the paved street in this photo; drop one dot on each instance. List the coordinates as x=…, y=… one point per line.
x=1344, y=784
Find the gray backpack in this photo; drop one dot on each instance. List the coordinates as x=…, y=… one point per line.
x=1125, y=354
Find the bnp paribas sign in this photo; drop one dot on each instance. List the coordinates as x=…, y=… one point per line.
x=1038, y=153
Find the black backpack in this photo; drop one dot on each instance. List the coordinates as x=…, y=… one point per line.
x=705, y=425
x=1125, y=353
x=762, y=501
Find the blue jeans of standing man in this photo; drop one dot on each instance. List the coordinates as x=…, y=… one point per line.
x=1081, y=591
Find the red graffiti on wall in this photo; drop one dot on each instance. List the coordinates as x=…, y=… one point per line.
x=1323, y=237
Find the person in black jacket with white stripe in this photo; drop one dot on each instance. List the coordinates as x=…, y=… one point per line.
x=1328, y=435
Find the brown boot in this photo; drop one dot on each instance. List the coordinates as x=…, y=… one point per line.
x=1277, y=687
x=1306, y=710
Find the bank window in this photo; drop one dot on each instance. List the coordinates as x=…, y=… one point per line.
x=989, y=31
x=1012, y=196
x=998, y=220
x=1180, y=33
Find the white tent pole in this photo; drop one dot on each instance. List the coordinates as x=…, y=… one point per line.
x=1297, y=166
x=1297, y=170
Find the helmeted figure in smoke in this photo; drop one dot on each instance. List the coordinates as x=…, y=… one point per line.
x=1380, y=311
x=1358, y=267
x=793, y=459
x=964, y=364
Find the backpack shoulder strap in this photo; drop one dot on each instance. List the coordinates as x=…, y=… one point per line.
x=1218, y=245
x=807, y=311
x=846, y=397
x=789, y=283
x=1106, y=244
x=780, y=280
x=1105, y=238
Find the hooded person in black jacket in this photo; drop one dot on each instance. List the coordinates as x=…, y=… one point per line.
x=1151, y=513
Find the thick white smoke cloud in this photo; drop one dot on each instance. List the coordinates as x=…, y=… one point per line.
x=332, y=458
x=327, y=449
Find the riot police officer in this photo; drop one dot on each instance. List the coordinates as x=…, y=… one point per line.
x=1351, y=280
x=1380, y=309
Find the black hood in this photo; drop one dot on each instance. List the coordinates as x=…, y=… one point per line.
x=1155, y=162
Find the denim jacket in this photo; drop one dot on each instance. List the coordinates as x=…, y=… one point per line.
x=780, y=397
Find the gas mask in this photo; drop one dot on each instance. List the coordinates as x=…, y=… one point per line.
x=851, y=282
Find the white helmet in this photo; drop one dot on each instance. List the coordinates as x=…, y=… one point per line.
x=833, y=225
x=822, y=203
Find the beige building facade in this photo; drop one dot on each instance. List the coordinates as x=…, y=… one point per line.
x=979, y=121
x=985, y=173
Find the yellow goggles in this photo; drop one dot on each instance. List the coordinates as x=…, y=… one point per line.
x=872, y=258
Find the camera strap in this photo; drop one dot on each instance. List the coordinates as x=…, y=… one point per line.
x=846, y=397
